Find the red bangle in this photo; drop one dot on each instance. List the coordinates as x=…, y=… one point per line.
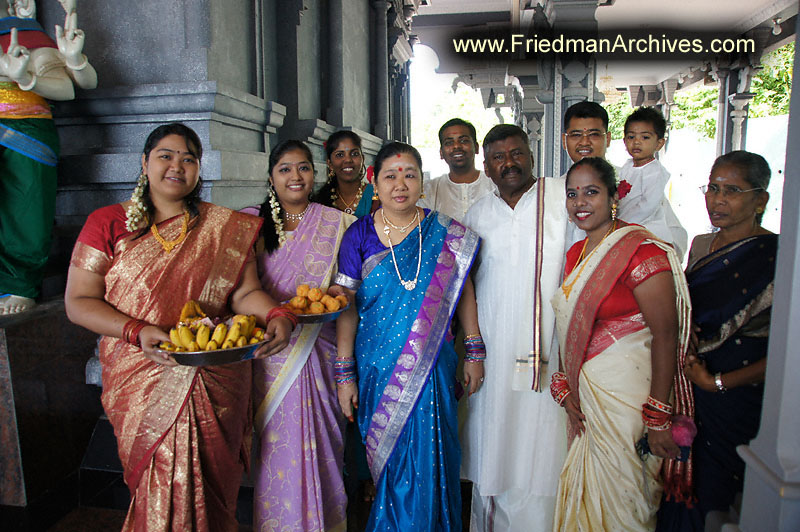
x=559, y=387
x=281, y=312
x=131, y=330
x=658, y=405
x=655, y=419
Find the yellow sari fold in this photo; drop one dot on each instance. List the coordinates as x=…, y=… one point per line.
x=183, y=433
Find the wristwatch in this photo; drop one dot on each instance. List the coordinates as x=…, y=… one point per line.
x=718, y=382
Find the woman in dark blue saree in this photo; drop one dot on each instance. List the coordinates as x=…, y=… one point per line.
x=730, y=276
x=405, y=295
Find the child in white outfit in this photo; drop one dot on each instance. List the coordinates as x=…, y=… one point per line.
x=645, y=203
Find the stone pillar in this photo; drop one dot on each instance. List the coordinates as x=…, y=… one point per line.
x=533, y=123
x=335, y=111
x=211, y=84
x=772, y=479
x=381, y=61
x=738, y=115
x=573, y=81
x=724, y=124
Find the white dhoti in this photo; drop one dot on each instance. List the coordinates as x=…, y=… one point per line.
x=514, y=439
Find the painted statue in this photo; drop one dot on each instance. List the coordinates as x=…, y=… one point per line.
x=33, y=68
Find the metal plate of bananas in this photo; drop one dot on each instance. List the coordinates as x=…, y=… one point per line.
x=215, y=358
x=197, y=341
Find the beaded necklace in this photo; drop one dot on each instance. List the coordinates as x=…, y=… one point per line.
x=408, y=285
x=296, y=217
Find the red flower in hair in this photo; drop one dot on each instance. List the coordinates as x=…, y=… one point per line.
x=370, y=173
x=623, y=188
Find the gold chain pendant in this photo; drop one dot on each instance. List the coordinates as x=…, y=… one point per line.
x=170, y=245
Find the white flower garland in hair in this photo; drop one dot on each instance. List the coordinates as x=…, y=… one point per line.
x=276, y=216
x=136, y=212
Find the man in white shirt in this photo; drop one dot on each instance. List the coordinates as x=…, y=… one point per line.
x=455, y=192
x=514, y=436
x=586, y=135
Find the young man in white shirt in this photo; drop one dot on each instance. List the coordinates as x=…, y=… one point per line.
x=454, y=193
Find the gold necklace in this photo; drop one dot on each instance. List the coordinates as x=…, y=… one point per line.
x=170, y=245
x=350, y=208
x=567, y=287
x=402, y=229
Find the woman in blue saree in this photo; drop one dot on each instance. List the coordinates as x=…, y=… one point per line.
x=408, y=271
x=730, y=277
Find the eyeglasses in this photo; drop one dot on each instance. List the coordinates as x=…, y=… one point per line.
x=594, y=134
x=728, y=191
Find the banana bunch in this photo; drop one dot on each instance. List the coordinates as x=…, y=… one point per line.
x=195, y=332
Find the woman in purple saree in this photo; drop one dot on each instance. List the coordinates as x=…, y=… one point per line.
x=405, y=294
x=298, y=470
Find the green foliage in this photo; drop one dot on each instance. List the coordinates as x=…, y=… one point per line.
x=696, y=108
x=465, y=103
x=773, y=84
x=618, y=112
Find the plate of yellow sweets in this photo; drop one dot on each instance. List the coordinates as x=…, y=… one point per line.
x=197, y=340
x=312, y=305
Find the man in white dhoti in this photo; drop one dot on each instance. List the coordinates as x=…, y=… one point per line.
x=514, y=437
x=455, y=192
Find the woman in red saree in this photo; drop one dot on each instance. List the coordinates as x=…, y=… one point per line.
x=622, y=321
x=182, y=432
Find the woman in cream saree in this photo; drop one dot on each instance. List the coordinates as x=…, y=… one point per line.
x=608, y=338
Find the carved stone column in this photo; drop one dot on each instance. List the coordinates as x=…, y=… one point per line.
x=381, y=61
x=334, y=114
x=738, y=116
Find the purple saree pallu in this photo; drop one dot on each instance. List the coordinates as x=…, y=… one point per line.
x=406, y=374
x=299, y=458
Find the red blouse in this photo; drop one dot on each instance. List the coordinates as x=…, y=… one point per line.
x=648, y=260
x=104, y=227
